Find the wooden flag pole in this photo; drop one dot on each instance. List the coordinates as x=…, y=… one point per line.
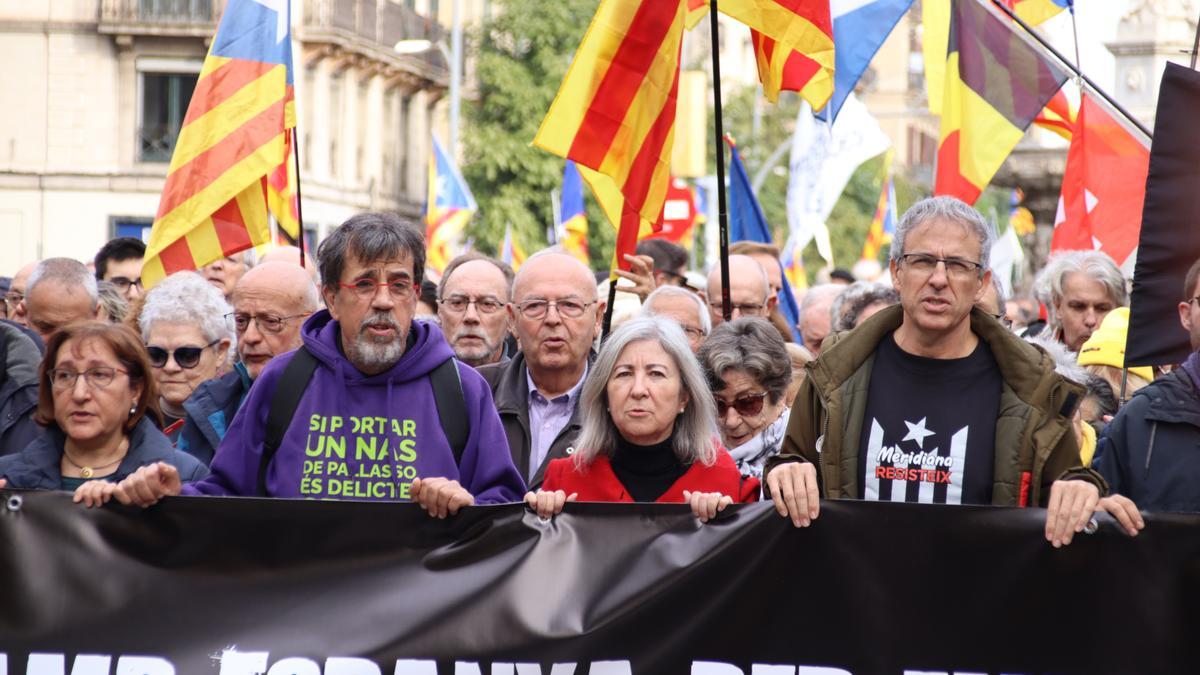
x=299, y=208
x=1196, y=44
x=1072, y=67
x=722, y=212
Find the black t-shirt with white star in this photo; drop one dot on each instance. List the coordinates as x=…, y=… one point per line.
x=929, y=430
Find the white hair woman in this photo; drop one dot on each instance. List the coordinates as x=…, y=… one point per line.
x=648, y=430
x=748, y=366
x=188, y=339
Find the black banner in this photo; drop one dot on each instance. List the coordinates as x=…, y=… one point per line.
x=1170, y=238
x=241, y=586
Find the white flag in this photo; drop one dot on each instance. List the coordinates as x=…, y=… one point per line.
x=1006, y=260
x=821, y=164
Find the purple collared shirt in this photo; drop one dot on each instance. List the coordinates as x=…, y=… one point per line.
x=547, y=417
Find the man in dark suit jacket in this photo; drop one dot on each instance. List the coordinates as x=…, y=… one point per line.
x=556, y=314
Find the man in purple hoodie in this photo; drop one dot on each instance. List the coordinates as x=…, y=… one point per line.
x=367, y=426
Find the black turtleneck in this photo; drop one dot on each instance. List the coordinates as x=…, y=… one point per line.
x=646, y=471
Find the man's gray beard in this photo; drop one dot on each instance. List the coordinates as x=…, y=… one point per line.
x=475, y=356
x=375, y=356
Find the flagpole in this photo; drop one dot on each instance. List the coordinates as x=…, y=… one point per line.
x=722, y=212
x=1072, y=67
x=299, y=208
x=1196, y=44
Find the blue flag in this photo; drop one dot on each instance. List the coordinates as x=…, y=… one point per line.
x=747, y=223
x=859, y=29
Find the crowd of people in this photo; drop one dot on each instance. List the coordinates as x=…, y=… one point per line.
x=355, y=376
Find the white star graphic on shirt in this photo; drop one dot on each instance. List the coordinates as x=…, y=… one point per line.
x=917, y=432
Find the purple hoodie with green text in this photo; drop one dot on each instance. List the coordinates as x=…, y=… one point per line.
x=364, y=437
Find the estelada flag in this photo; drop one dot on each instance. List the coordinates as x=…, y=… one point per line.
x=615, y=110
x=231, y=163
x=572, y=218
x=449, y=206
x=793, y=45
x=996, y=83
x=1169, y=242
x=1103, y=186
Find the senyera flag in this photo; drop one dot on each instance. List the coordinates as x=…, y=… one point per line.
x=793, y=45
x=231, y=164
x=1104, y=185
x=996, y=83
x=615, y=110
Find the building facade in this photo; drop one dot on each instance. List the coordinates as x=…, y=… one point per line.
x=96, y=91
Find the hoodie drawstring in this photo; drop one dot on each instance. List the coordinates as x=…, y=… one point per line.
x=1150, y=450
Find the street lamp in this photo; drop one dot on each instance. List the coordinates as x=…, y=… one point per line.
x=454, y=58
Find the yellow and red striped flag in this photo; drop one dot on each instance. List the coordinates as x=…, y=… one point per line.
x=231, y=164
x=793, y=44
x=630, y=226
x=615, y=110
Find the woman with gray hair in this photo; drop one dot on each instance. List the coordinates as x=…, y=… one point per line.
x=183, y=325
x=749, y=370
x=648, y=430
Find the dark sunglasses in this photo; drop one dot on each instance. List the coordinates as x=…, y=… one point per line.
x=185, y=357
x=748, y=405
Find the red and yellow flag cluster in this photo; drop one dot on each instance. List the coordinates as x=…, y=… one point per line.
x=614, y=114
x=231, y=164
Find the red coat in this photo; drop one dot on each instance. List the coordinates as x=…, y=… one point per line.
x=598, y=483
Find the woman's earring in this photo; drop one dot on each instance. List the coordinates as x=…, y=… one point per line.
x=132, y=409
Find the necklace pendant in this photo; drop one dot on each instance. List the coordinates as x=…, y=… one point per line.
x=85, y=472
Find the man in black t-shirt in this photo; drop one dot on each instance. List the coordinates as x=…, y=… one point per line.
x=932, y=401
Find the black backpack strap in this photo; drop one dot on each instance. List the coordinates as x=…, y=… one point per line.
x=451, y=406
x=288, y=392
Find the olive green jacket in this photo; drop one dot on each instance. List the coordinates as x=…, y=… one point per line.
x=1034, y=436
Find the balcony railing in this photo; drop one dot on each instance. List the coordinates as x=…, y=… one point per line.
x=164, y=17
x=378, y=23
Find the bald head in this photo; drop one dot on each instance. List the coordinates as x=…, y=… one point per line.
x=749, y=290
x=556, y=265
x=274, y=296
x=816, y=315
x=291, y=254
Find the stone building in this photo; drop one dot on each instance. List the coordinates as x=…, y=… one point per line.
x=96, y=90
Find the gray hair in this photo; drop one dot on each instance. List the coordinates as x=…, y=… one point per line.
x=64, y=272
x=695, y=427
x=185, y=297
x=115, y=305
x=818, y=294
x=749, y=344
x=944, y=208
x=469, y=256
x=857, y=297
x=1048, y=287
x=676, y=291
x=370, y=237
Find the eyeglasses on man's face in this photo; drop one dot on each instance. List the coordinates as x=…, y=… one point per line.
x=363, y=289
x=267, y=323
x=925, y=264
x=538, y=308
x=459, y=303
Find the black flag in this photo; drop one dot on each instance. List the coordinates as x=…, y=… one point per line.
x=1170, y=239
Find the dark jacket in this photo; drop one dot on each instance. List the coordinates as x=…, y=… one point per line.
x=18, y=390
x=1035, y=442
x=210, y=409
x=1150, y=452
x=38, y=466
x=510, y=390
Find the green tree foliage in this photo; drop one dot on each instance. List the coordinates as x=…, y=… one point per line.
x=523, y=53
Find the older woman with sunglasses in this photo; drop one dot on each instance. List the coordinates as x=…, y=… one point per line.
x=647, y=431
x=749, y=369
x=94, y=394
x=188, y=339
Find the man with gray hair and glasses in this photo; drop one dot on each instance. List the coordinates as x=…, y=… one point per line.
x=373, y=406
x=555, y=313
x=933, y=401
x=685, y=308
x=60, y=291
x=472, y=296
